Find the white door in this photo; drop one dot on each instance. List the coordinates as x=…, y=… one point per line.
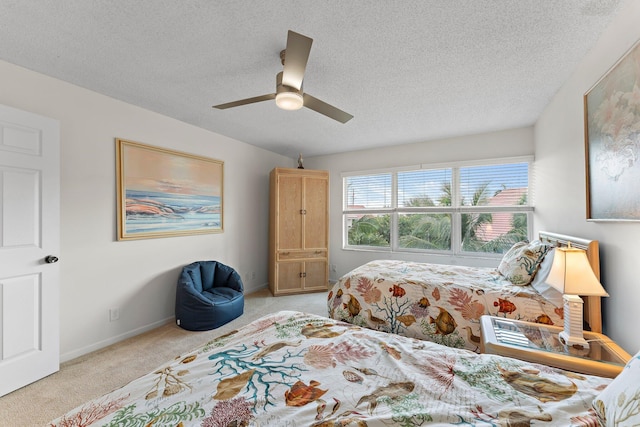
x=29, y=238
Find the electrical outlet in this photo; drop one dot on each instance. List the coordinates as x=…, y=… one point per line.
x=333, y=268
x=114, y=314
x=253, y=275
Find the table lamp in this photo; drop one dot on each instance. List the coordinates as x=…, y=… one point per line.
x=572, y=275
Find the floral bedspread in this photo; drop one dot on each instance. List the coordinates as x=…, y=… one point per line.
x=294, y=369
x=435, y=302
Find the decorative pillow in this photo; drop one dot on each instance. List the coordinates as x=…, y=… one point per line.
x=617, y=405
x=539, y=282
x=520, y=263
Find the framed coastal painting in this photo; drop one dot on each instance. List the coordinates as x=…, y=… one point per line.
x=164, y=193
x=612, y=140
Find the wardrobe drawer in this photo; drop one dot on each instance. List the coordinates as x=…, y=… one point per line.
x=290, y=255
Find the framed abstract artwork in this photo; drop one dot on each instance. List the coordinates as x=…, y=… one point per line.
x=164, y=193
x=612, y=142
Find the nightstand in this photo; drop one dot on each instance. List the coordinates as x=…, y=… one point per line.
x=539, y=343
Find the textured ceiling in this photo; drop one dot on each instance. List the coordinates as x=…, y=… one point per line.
x=409, y=71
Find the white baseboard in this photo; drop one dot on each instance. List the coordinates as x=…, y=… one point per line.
x=255, y=288
x=104, y=343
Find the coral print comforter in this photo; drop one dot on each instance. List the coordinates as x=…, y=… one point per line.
x=435, y=302
x=293, y=369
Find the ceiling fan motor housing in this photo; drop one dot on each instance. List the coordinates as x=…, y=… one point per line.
x=287, y=97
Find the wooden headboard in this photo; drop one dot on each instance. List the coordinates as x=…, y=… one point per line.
x=592, y=305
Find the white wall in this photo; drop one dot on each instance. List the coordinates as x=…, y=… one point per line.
x=97, y=271
x=561, y=189
x=509, y=143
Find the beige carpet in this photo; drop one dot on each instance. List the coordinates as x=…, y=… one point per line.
x=100, y=372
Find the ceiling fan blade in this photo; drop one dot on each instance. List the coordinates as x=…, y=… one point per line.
x=245, y=101
x=323, y=108
x=295, y=59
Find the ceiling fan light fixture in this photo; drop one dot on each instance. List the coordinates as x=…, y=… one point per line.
x=289, y=100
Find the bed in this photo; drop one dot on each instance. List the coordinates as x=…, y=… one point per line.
x=295, y=369
x=444, y=303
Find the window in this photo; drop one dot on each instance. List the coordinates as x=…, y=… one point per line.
x=461, y=208
x=369, y=196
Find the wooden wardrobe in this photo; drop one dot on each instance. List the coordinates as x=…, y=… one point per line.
x=298, y=231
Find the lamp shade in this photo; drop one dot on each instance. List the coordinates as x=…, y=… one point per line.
x=571, y=274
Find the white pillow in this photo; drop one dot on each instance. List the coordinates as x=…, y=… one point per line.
x=617, y=405
x=539, y=283
x=520, y=263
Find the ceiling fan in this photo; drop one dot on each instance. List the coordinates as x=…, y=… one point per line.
x=289, y=94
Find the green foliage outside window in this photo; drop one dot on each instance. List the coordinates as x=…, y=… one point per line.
x=432, y=231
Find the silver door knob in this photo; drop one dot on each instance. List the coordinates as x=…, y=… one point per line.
x=50, y=259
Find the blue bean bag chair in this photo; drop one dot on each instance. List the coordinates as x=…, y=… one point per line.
x=209, y=294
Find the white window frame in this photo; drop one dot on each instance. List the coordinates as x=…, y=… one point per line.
x=455, y=209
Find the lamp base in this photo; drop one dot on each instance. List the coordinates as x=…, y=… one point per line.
x=576, y=343
x=571, y=336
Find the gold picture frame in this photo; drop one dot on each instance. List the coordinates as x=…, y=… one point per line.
x=164, y=193
x=612, y=141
